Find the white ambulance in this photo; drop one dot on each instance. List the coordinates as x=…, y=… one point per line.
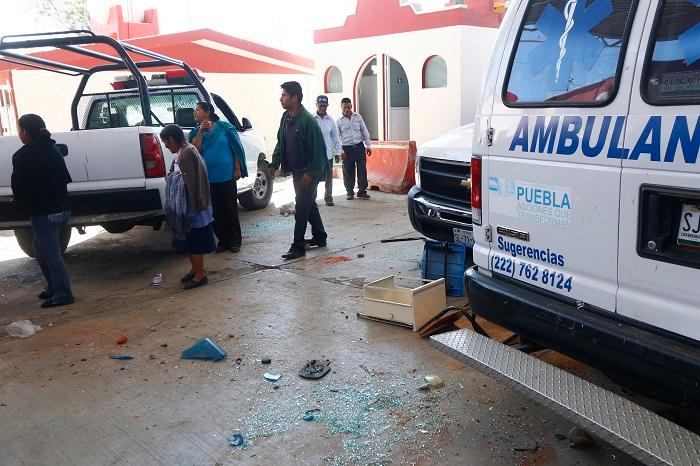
x=586, y=187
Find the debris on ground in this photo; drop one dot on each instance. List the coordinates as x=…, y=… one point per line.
x=121, y=357
x=22, y=329
x=266, y=360
x=360, y=255
x=424, y=387
x=237, y=440
x=309, y=414
x=525, y=444
x=560, y=437
x=288, y=209
x=335, y=259
x=315, y=369
x=164, y=345
x=231, y=335
x=272, y=377
x=434, y=381
x=157, y=279
x=122, y=339
x=579, y=437
x=205, y=349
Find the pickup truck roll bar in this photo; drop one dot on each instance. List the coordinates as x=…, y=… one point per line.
x=76, y=41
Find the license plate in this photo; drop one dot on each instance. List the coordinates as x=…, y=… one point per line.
x=463, y=236
x=689, y=228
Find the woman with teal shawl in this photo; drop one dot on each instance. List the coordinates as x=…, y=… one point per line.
x=219, y=144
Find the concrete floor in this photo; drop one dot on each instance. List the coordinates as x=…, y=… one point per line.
x=64, y=401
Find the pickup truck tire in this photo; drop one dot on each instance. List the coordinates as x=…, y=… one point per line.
x=25, y=239
x=117, y=227
x=259, y=195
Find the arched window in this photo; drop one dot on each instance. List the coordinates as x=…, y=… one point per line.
x=334, y=80
x=434, y=72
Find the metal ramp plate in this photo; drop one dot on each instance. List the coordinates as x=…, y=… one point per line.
x=637, y=431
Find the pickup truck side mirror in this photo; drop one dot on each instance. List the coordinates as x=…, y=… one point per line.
x=246, y=124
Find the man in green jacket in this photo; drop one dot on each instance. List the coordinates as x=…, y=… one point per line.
x=301, y=150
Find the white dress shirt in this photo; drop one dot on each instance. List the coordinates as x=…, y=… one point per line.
x=330, y=134
x=353, y=131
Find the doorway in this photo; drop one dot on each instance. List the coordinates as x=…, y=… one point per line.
x=398, y=102
x=367, y=97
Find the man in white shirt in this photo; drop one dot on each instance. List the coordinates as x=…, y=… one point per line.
x=357, y=146
x=330, y=136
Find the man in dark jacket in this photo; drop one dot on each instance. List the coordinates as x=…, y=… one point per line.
x=301, y=150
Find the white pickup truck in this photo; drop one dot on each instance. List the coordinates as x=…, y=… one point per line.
x=113, y=151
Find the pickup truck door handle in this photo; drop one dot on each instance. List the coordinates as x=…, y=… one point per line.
x=63, y=149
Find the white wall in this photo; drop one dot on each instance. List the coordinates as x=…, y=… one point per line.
x=433, y=111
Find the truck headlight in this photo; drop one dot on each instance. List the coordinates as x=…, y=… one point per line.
x=417, y=171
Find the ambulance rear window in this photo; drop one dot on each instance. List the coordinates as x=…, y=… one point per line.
x=672, y=74
x=569, y=53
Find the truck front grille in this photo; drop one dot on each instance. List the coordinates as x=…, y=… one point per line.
x=442, y=178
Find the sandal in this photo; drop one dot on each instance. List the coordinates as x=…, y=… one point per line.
x=187, y=277
x=194, y=283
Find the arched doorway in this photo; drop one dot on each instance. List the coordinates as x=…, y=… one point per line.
x=397, y=102
x=367, y=97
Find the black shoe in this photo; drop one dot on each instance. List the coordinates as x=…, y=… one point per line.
x=235, y=249
x=329, y=202
x=350, y=197
x=51, y=303
x=44, y=295
x=187, y=277
x=221, y=248
x=363, y=195
x=194, y=283
x=293, y=254
x=314, y=242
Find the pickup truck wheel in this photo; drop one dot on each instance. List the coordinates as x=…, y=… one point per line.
x=259, y=195
x=25, y=239
x=117, y=227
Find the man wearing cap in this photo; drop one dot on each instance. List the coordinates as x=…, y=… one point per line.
x=357, y=146
x=330, y=136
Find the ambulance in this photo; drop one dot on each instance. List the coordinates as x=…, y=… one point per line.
x=585, y=181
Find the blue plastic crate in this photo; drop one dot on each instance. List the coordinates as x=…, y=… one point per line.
x=445, y=260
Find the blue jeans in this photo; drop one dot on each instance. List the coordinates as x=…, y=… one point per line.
x=47, y=249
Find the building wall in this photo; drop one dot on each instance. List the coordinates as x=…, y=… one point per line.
x=254, y=96
x=432, y=111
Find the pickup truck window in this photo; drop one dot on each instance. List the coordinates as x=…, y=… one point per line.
x=119, y=110
x=568, y=53
x=672, y=69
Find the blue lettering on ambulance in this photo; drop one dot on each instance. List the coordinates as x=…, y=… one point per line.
x=543, y=197
x=594, y=151
x=569, y=139
x=653, y=147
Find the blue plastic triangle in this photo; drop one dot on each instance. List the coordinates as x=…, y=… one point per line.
x=204, y=349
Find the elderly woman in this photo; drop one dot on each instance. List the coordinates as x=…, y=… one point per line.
x=194, y=235
x=219, y=144
x=39, y=183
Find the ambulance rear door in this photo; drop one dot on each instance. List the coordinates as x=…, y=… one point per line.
x=553, y=183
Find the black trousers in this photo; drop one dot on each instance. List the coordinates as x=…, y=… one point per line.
x=306, y=211
x=224, y=203
x=355, y=156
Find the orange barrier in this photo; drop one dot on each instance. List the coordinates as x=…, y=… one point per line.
x=391, y=166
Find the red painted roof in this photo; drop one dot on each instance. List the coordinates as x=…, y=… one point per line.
x=382, y=17
x=205, y=49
